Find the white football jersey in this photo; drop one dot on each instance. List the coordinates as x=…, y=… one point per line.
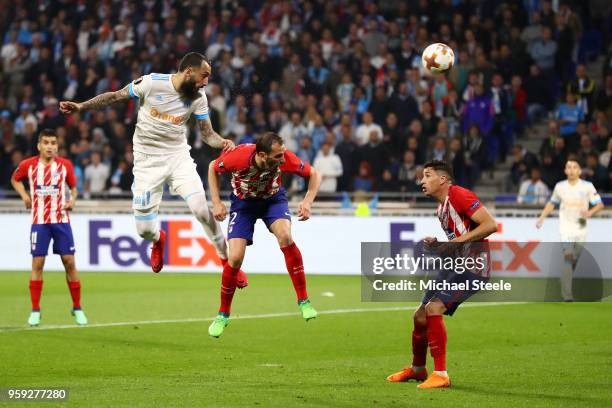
x=162, y=115
x=573, y=199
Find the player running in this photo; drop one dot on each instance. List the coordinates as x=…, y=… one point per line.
x=573, y=195
x=463, y=219
x=161, y=152
x=47, y=175
x=257, y=194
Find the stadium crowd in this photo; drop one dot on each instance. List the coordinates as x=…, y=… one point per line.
x=340, y=81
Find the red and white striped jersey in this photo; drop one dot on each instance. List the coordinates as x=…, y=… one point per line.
x=47, y=188
x=248, y=180
x=454, y=214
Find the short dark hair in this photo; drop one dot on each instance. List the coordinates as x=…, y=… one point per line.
x=440, y=166
x=265, y=142
x=46, y=133
x=191, y=59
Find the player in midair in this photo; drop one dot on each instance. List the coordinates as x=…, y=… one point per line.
x=464, y=219
x=573, y=197
x=161, y=152
x=48, y=176
x=257, y=194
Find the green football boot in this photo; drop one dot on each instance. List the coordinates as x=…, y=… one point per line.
x=218, y=325
x=34, y=319
x=79, y=317
x=308, y=312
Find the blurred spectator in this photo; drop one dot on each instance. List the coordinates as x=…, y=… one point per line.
x=544, y=50
x=25, y=116
x=364, y=180
x=329, y=165
x=475, y=155
x=479, y=111
x=346, y=149
x=548, y=144
x=583, y=88
x=604, y=158
x=524, y=161
x=292, y=132
x=539, y=99
x=374, y=154
x=534, y=190
x=406, y=175
x=595, y=172
x=96, y=174
x=387, y=183
x=363, y=132
x=552, y=170
x=603, y=98
x=568, y=115
x=306, y=151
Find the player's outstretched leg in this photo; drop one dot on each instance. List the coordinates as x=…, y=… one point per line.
x=417, y=371
x=199, y=208
x=148, y=228
x=436, y=340
x=228, y=286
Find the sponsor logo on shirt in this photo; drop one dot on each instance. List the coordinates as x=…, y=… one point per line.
x=177, y=120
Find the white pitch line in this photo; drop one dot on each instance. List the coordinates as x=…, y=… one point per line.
x=243, y=317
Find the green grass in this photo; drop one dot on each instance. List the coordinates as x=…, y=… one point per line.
x=504, y=355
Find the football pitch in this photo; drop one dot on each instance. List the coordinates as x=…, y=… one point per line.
x=147, y=345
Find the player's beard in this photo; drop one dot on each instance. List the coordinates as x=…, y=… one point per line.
x=189, y=90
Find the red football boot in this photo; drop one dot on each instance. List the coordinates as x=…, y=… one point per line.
x=157, y=253
x=242, y=281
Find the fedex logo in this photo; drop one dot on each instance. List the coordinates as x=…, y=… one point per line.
x=506, y=255
x=183, y=247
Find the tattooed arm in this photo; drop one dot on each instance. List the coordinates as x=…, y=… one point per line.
x=212, y=138
x=97, y=102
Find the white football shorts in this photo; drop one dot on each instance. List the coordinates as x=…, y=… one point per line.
x=151, y=172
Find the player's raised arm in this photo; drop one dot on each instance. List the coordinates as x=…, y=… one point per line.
x=313, y=187
x=219, y=209
x=486, y=226
x=212, y=138
x=97, y=102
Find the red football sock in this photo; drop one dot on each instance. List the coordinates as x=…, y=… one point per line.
x=228, y=287
x=75, y=293
x=419, y=344
x=436, y=339
x=35, y=291
x=295, y=267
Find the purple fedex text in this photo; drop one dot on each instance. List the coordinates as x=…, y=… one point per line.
x=124, y=250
